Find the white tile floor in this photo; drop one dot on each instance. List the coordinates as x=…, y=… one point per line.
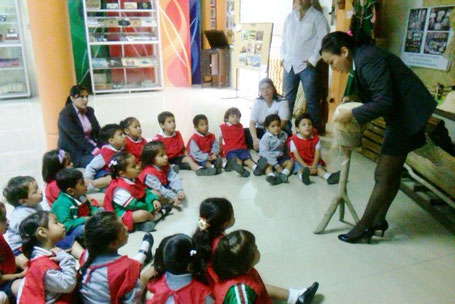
x=414, y=263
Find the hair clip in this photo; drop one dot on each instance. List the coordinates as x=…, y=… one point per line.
x=350, y=33
x=61, y=155
x=193, y=252
x=202, y=224
x=113, y=163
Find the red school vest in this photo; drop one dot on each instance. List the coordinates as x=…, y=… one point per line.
x=203, y=142
x=107, y=154
x=137, y=191
x=33, y=288
x=51, y=191
x=174, y=145
x=122, y=275
x=135, y=148
x=306, y=148
x=252, y=279
x=7, y=260
x=194, y=293
x=233, y=137
x=212, y=277
x=161, y=174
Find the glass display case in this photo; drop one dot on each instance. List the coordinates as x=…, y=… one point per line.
x=13, y=67
x=123, y=40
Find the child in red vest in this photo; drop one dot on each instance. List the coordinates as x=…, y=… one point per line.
x=127, y=197
x=305, y=150
x=233, y=145
x=54, y=161
x=51, y=276
x=203, y=147
x=157, y=175
x=215, y=216
x=179, y=274
x=9, y=279
x=175, y=147
x=106, y=276
x=133, y=140
x=97, y=171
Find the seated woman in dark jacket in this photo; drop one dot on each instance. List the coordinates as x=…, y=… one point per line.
x=78, y=128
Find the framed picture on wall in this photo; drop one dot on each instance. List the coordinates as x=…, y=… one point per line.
x=212, y=12
x=213, y=24
x=212, y=2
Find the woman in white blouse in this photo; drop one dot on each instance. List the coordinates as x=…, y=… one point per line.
x=268, y=102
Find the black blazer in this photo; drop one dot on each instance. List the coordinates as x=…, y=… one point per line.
x=388, y=88
x=71, y=136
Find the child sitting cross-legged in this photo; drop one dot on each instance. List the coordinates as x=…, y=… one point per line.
x=127, y=197
x=305, y=150
x=272, y=148
x=133, y=136
x=54, y=161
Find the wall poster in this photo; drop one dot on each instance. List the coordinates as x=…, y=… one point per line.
x=427, y=37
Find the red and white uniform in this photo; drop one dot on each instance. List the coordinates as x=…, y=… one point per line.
x=174, y=144
x=51, y=191
x=134, y=146
x=233, y=137
x=305, y=147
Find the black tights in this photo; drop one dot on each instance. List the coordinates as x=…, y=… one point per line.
x=387, y=183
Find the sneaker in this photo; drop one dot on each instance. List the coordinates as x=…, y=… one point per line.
x=240, y=170
x=218, y=165
x=230, y=164
x=273, y=180
x=334, y=178
x=175, y=168
x=306, y=176
x=205, y=171
x=261, y=166
x=308, y=295
x=147, y=226
x=282, y=177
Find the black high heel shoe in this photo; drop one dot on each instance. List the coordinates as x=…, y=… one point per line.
x=381, y=226
x=364, y=237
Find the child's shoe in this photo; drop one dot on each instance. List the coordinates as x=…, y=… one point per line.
x=218, y=165
x=260, y=167
x=240, y=170
x=230, y=164
x=175, y=168
x=282, y=177
x=148, y=237
x=273, y=180
x=308, y=295
x=306, y=176
x=147, y=226
x=334, y=178
x=205, y=171
x=163, y=213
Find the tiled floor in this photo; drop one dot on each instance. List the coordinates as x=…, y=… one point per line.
x=414, y=263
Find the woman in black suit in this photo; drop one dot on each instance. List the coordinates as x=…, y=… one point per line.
x=389, y=89
x=78, y=127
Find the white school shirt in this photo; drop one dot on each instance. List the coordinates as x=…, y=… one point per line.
x=261, y=110
x=302, y=39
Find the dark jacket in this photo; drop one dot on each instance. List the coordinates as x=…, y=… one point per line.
x=388, y=88
x=71, y=136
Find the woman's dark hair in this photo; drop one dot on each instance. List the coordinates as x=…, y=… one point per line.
x=119, y=162
x=271, y=118
x=17, y=189
x=108, y=131
x=101, y=230
x=216, y=211
x=269, y=81
x=231, y=111
x=198, y=118
x=234, y=254
x=75, y=92
x=302, y=117
x=68, y=178
x=150, y=151
x=54, y=161
x=28, y=228
x=333, y=42
x=124, y=124
x=176, y=254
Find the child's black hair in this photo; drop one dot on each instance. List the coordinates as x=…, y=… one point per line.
x=2, y=212
x=108, y=131
x=17, y=189
x=231, y=111
x=234, y=254
x=124, y=124
x=163, y=115
x=68, y=178
x=177, y=255
x=119, y=162
x=198, y=118
x=302, y=117
x=271, y=118
x=28, y=228
x=150, y=151
x=100, y=231
x=54, y=161
x=216, y=211
x=75, y=92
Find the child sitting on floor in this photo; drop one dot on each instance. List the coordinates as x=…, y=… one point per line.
x=203, y=147
x=51, y=276
x=133, y=140
x=97, y=171
x=305, y=150
x=272, y=149
x=233, y=144
x=54, y=161
x=180, y=273
x=127, y=197
x=157, y=175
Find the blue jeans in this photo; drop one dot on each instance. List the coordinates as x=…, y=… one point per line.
x=310, y=85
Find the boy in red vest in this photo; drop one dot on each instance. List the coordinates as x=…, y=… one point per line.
x=305, y=150
x=97, y=171
x=175, y=147
x=203, y=147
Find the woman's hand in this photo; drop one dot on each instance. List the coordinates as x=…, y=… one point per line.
x=256, y=144
x=344, y=116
